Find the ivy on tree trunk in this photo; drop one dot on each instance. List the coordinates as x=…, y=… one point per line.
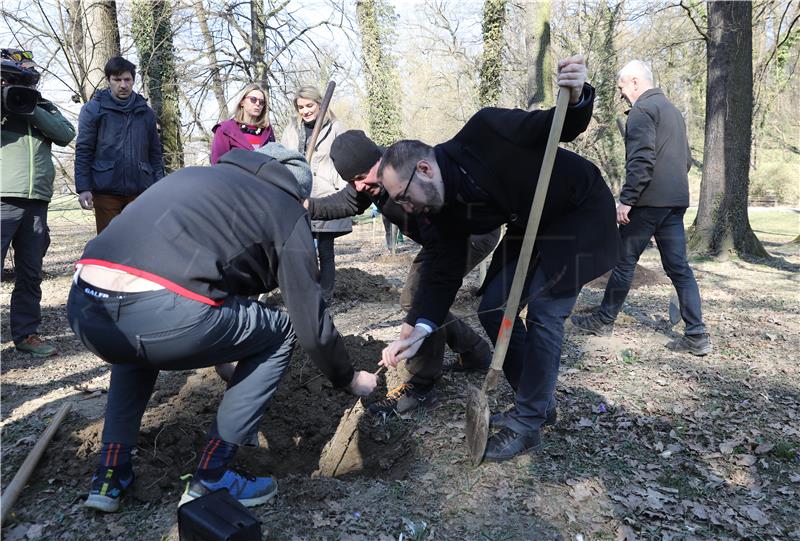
x=152, y=33
x=494, y=20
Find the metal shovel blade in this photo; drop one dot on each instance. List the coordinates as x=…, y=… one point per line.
x=674, y=310
x=477, y=429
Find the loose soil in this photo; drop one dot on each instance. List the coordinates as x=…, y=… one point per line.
x=649, y=444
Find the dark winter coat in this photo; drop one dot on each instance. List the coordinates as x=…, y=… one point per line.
x=232, y=229
x=657, y=154
x=499, y=152
x=118, y=150
x=228, y=135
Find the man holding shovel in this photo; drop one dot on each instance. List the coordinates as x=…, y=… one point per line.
x=356, y=158
x=169, y=286
x=485, y=177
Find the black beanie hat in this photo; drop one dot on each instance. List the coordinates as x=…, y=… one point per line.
x=353, y=153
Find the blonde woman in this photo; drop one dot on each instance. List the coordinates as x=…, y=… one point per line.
x=307, y=101
x=248, y=129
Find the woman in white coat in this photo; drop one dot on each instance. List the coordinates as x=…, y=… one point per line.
x=297, y=136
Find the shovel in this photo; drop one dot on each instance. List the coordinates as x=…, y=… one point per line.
x=477, y=427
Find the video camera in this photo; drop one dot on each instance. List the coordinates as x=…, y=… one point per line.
x=19, y=80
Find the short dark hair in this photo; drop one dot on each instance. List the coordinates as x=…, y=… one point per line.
x=118, y=65
x=404, y=154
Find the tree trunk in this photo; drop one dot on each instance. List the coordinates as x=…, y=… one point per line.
x=491, y=75
x=99, y=41
x=257, y=41
x=383, y=103
x=539, y=55
x=609, y=150
x=152, y=33
x=211, y=56
x=722, y=226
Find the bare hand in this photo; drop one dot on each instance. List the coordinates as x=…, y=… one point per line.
x=622, y=214
x=404, y=348
x=363, y=383
x=305, y=204
x=85, y=199
x=571, y=75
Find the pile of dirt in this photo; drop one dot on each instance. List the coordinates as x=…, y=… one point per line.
x=301, y=419
x=356, y=285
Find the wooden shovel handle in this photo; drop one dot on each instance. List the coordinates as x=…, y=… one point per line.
x=512, y=305
x=14, y=488
x=323, y=110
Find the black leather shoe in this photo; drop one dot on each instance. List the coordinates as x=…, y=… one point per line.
x=500, y=420
x=507, y=444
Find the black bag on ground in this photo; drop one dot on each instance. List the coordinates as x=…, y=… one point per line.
x=217, y=517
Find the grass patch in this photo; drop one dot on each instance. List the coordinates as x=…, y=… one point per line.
x=768, y=224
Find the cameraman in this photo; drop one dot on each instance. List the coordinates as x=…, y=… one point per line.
x=26, y=186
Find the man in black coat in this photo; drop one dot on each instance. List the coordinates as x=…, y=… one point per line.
x=652, y=204
x=485, y=177
x=356, y=158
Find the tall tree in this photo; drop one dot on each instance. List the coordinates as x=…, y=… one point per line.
x=210, y=52
x=152, y=33
x=539, y=54
x=379, y=72
x=95, y=38
x=257, y=38
x=491, y=76
x=722, y=226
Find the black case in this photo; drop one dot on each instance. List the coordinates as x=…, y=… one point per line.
x=217, y=516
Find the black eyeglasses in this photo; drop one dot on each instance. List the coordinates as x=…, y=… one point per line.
x=255, y=100
x=401, y=199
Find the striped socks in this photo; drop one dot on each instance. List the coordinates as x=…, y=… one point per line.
x=115, y=454
x=216, y=456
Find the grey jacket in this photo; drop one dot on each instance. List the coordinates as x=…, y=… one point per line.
x=657, y=154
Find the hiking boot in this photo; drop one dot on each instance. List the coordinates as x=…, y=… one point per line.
x=37, y=347
x=403, y=398
x=500, y=420
x=108, y=485
x=507, y=444
x=591, y=324
x=696, y=344
x=248, y=489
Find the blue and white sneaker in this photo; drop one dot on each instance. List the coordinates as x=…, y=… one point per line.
x=108, y=485
x=248, y=489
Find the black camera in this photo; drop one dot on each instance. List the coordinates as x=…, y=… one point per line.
x=18, y=82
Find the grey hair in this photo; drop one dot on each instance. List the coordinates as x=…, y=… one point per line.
x=636, y=68
x=404, y=154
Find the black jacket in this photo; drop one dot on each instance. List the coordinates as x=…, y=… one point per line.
x=118, y=150
x=233, y=229
x=501, y=151
x=350, y=202
x=657, y=154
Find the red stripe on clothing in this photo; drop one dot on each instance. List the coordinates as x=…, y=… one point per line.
x=116, y=454
x=208, y=453
x=172, y=286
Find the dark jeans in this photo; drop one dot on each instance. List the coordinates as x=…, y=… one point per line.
x=24, y=226
x=666, y=225
x=142, y=333
x=107, y=207
x=534, y=353
x=426, y=366
x=327, y=264
x=393, y=234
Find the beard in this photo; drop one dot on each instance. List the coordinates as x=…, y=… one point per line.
x=434, y=198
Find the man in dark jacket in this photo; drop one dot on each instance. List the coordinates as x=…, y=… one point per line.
x=484, y=177
x=652, y=204
x=356, y=158
x=169, y=287
x=118, y=151
x=26, y=186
